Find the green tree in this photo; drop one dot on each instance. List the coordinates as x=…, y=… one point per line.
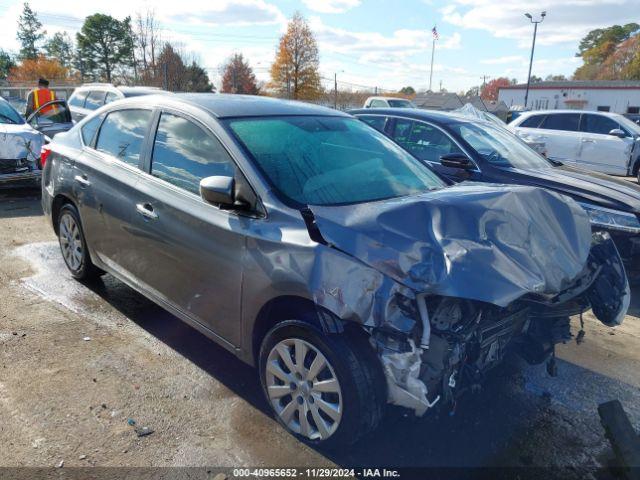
x=197, y=79
x=30, y=33
x=6, y=64
x=407, y=91
x=104, y=46
x=60, y=47
x=598, y=37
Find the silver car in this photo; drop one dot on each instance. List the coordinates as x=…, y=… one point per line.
x=314, y=248
x=21, y=140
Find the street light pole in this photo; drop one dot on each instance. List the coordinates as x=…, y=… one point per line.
x=533, y=47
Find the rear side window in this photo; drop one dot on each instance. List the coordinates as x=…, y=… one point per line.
x=122, y=134
x=424, y=141
x=532, y=122
x=94, y=100
x=77, y=99
x=562, y=121
x=111, y=97
x=89, y=130
x=598, y=124
x=374, y=121
x=184, y=154
x=378, y=104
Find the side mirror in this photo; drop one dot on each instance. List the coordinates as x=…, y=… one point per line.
x=218, y=190
x=456, y=160
x=617, y=132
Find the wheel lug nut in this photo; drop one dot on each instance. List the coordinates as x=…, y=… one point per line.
x=293, y=386
x=300, y=400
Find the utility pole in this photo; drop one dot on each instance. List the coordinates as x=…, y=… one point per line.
x=165, y=76
x=335, y=90
x=533, y=47
x=434, y=31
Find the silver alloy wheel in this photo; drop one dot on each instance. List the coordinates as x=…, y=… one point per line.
x=303, y=389
x=70, y=242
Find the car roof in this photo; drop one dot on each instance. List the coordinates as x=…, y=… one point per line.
x=232, y=106
x=416, y=114
x=547, y=112
x=388, y=98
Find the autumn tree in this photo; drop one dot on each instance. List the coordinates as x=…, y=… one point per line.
x=295, y=70
x=32, y=69
x=104, y=46
x=238, y=76
x=30, y=33
x=60, y=47
x=603, y=49
x=490, y=89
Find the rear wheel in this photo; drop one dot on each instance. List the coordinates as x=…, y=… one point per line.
x=322, y=388
x=73, y=245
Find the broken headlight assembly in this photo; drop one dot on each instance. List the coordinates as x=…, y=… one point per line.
x=611, y=219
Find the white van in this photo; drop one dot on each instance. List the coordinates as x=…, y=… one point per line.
x=601, y=141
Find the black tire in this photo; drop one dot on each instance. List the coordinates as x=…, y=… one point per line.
x=638, y=177
x=84, y=269
x=356, y=368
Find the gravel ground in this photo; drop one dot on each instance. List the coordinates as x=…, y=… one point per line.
x=78, y=362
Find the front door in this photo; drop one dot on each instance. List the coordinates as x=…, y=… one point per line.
x=601, y=151
x=189, y=252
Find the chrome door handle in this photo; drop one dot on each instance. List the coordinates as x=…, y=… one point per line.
x=146, y=210
x=82, y=180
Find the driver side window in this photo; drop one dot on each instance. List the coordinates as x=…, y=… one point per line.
x=423, y=141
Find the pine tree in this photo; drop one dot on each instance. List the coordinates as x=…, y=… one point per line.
x=30, y=33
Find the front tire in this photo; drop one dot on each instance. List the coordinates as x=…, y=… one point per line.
x=74, y=246
x=323, y=389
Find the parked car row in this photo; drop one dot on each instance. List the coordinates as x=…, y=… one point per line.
x=351, y=265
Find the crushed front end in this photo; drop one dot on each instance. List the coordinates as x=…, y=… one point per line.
x=467, y=338
x=447, y=283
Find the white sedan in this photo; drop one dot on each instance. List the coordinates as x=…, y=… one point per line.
x=600, y=141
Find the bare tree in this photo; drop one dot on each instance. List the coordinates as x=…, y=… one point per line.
x=149, y=43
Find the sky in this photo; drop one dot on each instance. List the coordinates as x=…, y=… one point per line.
x=366, y=43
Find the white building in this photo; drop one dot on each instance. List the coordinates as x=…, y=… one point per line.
x=619, y=96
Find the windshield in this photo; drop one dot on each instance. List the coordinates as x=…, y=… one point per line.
x=331, y=160
x=8, y=114
x=499, y=146
x=401, y=104
x=630, y=125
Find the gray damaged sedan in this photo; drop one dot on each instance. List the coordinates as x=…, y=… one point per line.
x=313, y=247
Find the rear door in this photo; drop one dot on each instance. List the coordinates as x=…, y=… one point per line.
x=603, y=152
x=561, y=134
x=104, y=182
x=189, y=252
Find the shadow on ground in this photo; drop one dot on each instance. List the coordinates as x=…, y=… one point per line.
x=513, y=421
x=20, y=202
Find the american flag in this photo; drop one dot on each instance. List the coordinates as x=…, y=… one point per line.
x=434, y=30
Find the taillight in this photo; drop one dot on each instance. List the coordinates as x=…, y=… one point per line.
x=45, y=151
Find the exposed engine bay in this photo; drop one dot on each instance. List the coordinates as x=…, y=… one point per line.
x=468, y=338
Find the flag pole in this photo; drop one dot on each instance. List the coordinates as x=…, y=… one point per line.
x=433, y=51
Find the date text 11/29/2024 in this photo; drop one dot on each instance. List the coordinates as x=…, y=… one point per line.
x=313, y=473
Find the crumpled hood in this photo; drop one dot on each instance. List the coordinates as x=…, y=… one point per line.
x=20, y=141
x=482, y=242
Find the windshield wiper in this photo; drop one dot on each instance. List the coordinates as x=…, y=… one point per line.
x=555, y=163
